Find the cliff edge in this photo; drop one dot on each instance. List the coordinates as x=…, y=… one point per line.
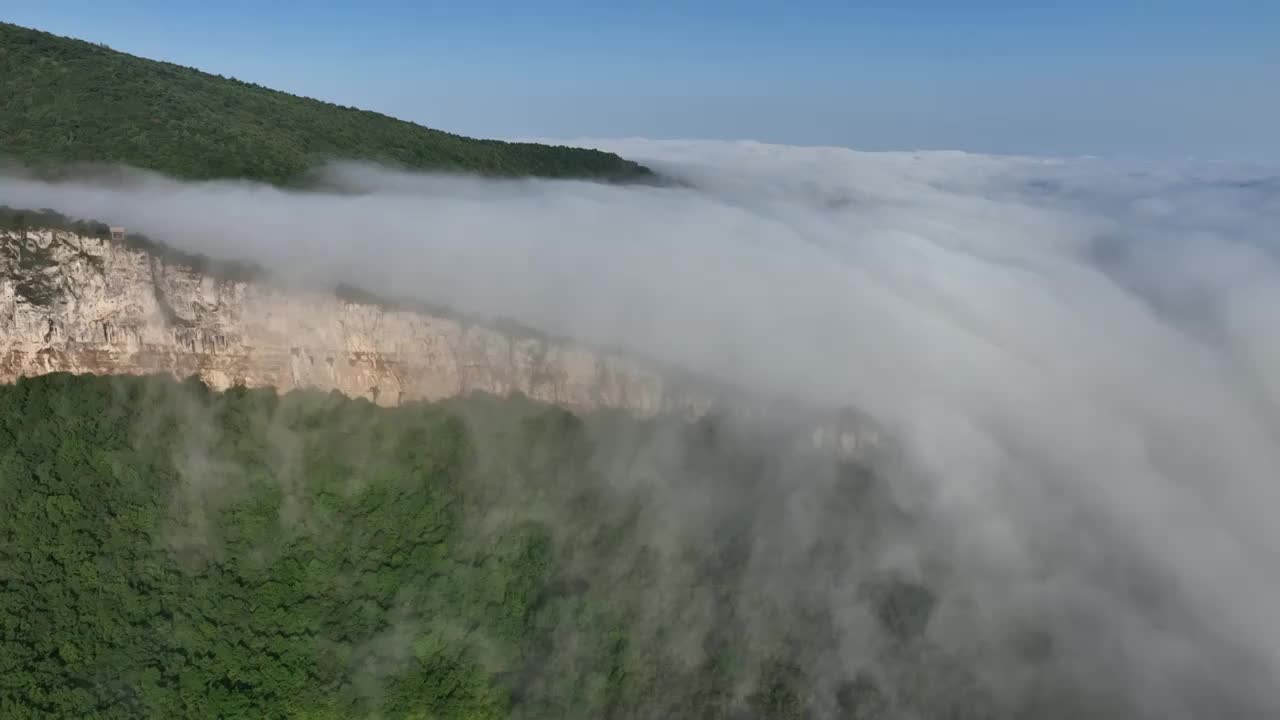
x=80, y=302
x=84, y=304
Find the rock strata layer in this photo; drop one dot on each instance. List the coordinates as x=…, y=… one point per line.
x=92, y=305
x=78, y=303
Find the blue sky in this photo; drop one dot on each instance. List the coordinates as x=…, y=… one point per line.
x=1167, y=79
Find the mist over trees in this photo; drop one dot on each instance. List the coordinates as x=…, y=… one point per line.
x=174, y=552
x=1077, y=533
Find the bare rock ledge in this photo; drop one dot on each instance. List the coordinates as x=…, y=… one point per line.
x=83, y=304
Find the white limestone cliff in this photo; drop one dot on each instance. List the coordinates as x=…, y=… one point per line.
x=83, y=304
x=91, y=305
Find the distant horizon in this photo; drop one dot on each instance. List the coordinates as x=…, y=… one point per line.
x=1103, y=80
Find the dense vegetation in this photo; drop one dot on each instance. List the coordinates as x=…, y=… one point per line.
x=65, y=100
x=167, y=551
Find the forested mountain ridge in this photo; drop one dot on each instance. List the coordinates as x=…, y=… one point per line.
x=64, y=100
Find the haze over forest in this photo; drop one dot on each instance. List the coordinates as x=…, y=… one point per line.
x=1076, y=363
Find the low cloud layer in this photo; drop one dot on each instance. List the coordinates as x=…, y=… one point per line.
x=1080, y=359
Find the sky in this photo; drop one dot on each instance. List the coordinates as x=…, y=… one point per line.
x=1119, y=78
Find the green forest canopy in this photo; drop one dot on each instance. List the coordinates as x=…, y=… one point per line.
x=167, y=551
x=69, y=101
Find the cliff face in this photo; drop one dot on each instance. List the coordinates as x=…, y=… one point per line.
x=89, y=305
x=83, y=304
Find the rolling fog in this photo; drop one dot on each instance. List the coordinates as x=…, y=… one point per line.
x=1080, y=359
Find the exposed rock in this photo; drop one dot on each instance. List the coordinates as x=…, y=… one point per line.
x=90, y=305
x=77, y=303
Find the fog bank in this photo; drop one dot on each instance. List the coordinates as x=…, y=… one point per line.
x=1080, y=359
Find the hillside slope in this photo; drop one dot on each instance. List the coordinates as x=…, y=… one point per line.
x=64, y=100
x=172, y=552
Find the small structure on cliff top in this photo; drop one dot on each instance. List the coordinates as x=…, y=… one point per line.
x=117, y=233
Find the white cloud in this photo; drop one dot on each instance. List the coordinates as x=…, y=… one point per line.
x=1051, y=340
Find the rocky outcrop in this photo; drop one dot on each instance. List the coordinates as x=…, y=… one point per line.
x=70, y=302
x=80, y=303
